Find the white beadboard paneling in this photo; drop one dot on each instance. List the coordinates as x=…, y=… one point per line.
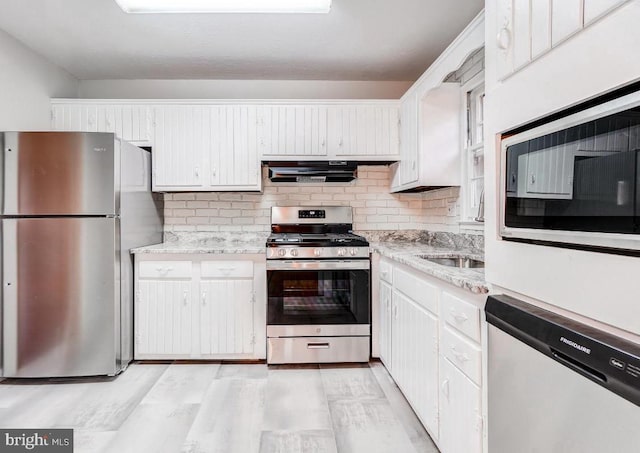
x=226, y=319
x=460, y=411
x=566, y=19
x=540, y=27
x=164, y=318
x=594, y=9
x=521, y=33
x=180, y=140
x=292, y=130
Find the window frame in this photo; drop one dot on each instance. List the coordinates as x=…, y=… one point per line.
x=469, y=149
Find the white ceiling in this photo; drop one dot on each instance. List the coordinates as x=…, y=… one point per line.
x=357, y=40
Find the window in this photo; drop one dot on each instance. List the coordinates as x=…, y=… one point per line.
x=473, y=152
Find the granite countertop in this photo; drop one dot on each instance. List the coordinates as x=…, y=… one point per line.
x=248, y=243
x=405, y=248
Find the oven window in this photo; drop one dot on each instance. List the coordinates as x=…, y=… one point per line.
x=318, y=297
x=583, y=178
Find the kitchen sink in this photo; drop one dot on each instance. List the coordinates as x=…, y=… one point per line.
x=460, y=261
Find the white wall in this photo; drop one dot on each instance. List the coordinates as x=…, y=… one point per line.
x=241, y=89
x=373, y=206
x=27, y=82
x=603, y=288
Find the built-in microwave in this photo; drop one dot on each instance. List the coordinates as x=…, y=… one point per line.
x=575, y=181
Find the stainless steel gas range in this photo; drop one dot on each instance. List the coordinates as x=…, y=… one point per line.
x=318, y=280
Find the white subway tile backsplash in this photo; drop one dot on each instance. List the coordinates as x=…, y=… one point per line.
x=374, y=207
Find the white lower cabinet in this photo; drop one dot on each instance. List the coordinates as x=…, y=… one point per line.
x=164, y=318
x=415, y=357
x=430, y=341
x=202, y=308
x=460, y=411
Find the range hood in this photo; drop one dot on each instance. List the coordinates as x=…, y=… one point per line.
x=313, y=171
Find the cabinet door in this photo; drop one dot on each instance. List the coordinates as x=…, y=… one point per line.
x=65, y=117
x=226, y=316
x=129, y=122
x=594, y=9
x=415, y=358
x=460, y=411
x=566, y=19
x=182, y=134
x=234, y=161
x=363, y=130
x=385, y=324
x=292, y=130
x=422, y=374
x=164, y=313
x=408, y=166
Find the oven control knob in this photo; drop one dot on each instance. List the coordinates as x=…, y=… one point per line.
x=317, y=252
x=293, y=252
x=342, y=252
x=282, y=252
x=353, y=252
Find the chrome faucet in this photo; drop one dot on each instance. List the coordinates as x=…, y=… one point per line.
x=480, y=216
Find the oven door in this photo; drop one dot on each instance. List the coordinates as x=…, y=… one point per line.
x=318, y=292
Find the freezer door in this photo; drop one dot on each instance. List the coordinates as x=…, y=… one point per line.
x=59, y=173
x=59, y=298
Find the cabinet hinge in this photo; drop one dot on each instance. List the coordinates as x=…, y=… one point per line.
x=138, y=297
x=253, y=339
x=253, y=298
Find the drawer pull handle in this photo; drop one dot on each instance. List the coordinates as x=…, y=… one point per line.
x=460, y=356
x=459, y=317
x=317, y=345
x=227, y=269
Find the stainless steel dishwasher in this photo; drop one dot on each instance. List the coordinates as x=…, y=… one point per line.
x=557, y=385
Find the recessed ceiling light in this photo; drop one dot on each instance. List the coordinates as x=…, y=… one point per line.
x=225, y=6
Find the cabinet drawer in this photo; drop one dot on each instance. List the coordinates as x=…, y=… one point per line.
x=462, y=353
x=461, y=315
x=165, y=269
x=418, y=290
x=226, y=269
x=386, y=271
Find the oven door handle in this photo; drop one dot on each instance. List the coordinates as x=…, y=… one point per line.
x=300, y=265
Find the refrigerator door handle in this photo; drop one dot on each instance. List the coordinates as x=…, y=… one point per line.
x=9, y=297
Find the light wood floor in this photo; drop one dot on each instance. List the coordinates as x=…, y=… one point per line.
x=224, y=408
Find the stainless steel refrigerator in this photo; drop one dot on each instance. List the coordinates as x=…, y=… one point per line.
x=72, y=205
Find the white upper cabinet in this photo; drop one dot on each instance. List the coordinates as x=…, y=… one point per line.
x=430, y=139
x=406, y=170
x=203, y=147
x=233, y=156
x=526, y=29
x=363, y=130
x=129, y=122
x=338, y=131
x=219, y=146
x=181, y=140
x=292, y=130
